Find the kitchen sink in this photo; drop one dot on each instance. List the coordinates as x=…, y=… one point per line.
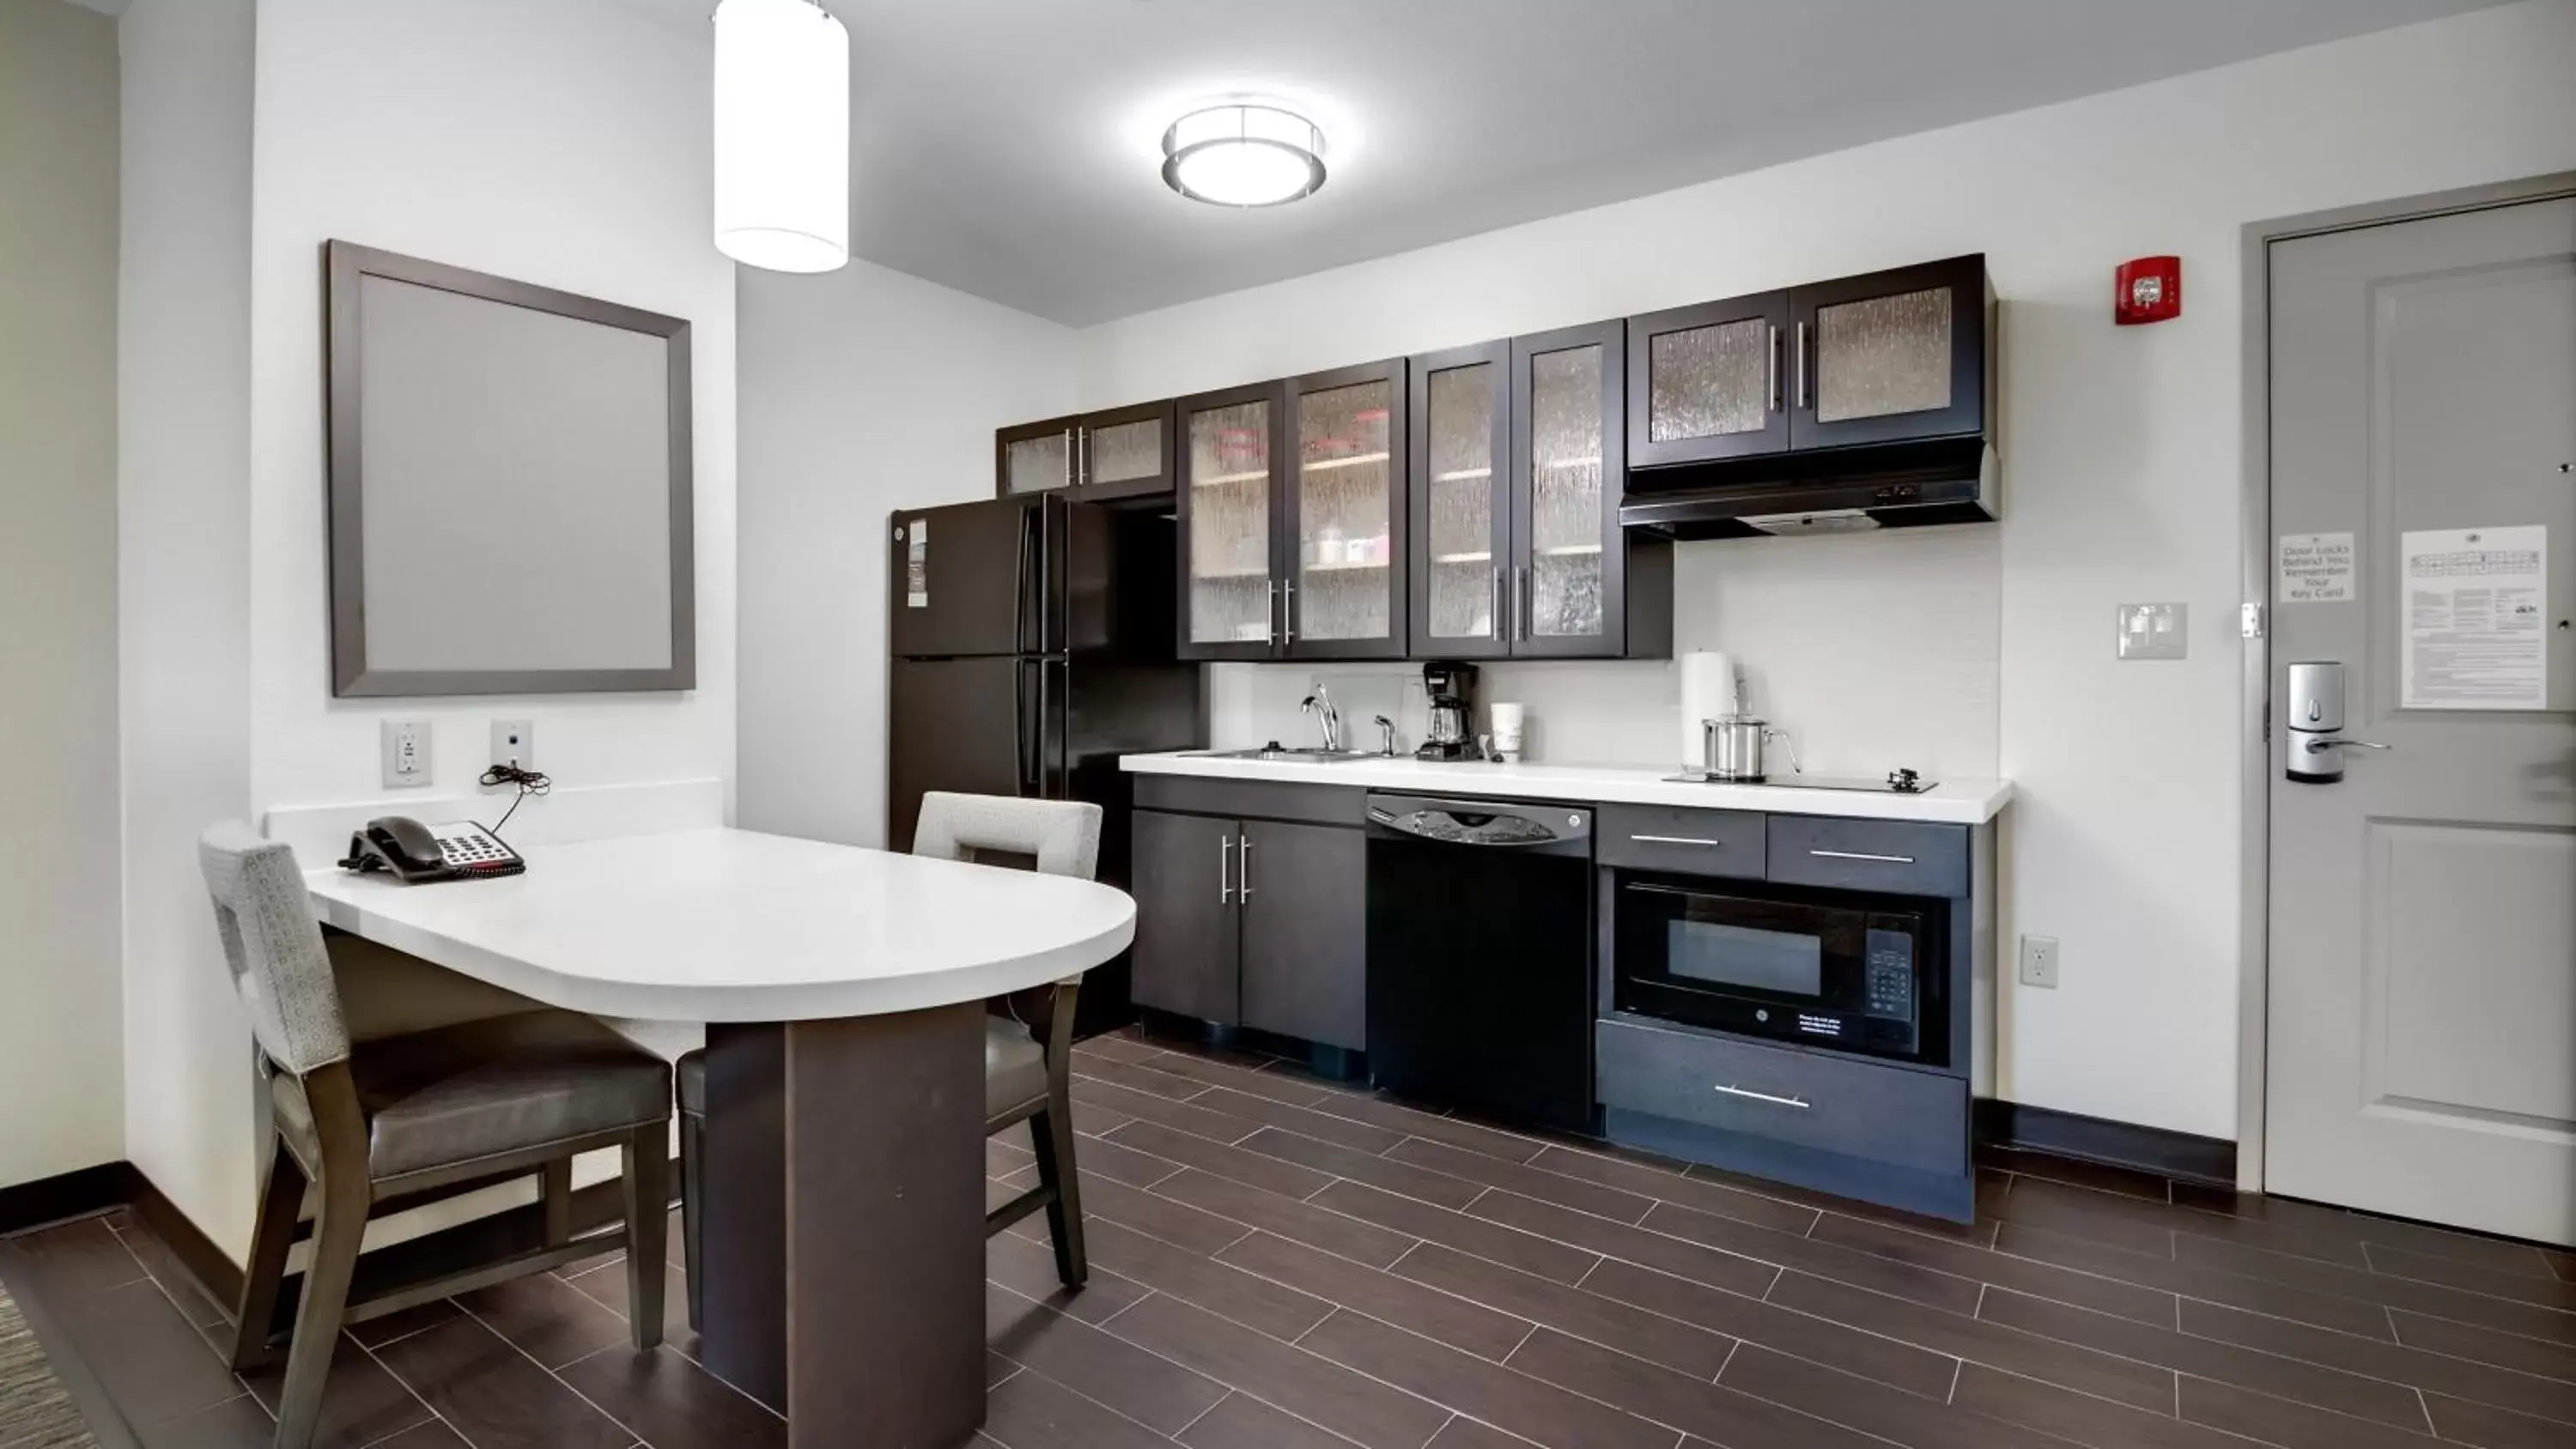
x=1282, y=754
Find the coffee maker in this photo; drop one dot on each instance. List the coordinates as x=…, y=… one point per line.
x=1452, y=689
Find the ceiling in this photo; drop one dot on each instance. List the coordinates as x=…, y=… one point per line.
x=1009, y=148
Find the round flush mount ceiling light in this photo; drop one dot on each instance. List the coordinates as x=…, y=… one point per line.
x=782, y=135
x=1243, y=154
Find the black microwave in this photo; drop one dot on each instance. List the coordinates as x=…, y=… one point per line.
x=1843, y=969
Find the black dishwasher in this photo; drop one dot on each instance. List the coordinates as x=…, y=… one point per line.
x=1480, y=956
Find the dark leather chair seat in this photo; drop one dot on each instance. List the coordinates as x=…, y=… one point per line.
x=501, y=1084
x=1015, y=1072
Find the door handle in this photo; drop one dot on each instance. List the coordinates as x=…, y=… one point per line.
x=1749, y=1094
x=1242, y=868
x=2316, y=747
x=1224, y=885
x=1677, y=840
x=1862, y=855
x=1771, y=367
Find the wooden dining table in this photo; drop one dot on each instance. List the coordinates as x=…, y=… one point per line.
x=843, y=991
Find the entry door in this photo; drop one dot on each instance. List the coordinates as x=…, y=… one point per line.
x=2422, y=1017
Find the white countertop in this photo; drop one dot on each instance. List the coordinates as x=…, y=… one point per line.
x=1950, y=802
x=733, y=925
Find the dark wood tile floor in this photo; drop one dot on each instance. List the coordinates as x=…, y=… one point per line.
x=1284, y=1263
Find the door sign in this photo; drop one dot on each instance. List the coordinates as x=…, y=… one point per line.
x=2314, y=568
x=2475, y=598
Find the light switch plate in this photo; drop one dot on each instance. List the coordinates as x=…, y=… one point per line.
x=405, y=746
x=2154, y=631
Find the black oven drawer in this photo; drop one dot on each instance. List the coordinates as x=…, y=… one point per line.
x=1683, y=841
x=1893, y=857
x=1830, y=1103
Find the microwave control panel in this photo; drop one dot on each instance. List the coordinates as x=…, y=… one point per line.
x=1889, y=974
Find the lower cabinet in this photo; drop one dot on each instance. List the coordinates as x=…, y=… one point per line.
x=1257, y=923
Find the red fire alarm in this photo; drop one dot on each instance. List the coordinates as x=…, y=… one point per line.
x=2150, y=290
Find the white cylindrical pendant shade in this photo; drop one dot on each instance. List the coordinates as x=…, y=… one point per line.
x=782, y=135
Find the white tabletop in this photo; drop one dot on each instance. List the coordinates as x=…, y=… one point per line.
x=1952, y=802
x=733, y=925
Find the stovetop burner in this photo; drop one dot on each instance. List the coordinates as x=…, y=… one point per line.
x=1894, y=782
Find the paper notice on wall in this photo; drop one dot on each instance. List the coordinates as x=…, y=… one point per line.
x=2314, y=568
x=2475, y=598
x=916, y=590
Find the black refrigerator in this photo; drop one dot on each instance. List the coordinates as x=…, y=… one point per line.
x=1033, y=644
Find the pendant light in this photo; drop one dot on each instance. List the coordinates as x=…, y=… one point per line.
x=782, y=135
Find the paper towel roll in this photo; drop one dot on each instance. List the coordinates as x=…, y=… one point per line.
x=1709, y=689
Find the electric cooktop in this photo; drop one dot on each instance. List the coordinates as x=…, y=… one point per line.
x=1894, y=782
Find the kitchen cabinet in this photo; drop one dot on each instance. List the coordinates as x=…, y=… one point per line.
x=1293, y=518
x=1112, y=456
x=1253, y=923
x=1709, y=381
x=1890, y=356
x=1518, y=450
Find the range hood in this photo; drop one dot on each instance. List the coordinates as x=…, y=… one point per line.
x=1839, y=490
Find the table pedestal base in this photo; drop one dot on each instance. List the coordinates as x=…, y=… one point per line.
x=843, y=1228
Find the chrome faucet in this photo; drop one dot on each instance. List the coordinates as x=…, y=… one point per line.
x=1386, y=734
x=1320, y=704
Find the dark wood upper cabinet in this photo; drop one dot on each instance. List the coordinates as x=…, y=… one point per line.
x=1573, y=569
x=1342, y=515
x=1232, y=472
x=1105, y=457
x=1892, y=356
x=1460, y=529
x=1709, y=382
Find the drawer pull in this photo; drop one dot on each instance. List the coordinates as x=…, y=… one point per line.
x=1677, y=840
x=1800, y=1103
x=1862, y=855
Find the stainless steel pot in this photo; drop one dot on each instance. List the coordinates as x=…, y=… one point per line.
x=1731, y=747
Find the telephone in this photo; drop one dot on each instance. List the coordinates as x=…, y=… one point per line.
x=457, y=850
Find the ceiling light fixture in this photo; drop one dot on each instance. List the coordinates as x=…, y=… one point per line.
x=1242, y=154
x=782, y=135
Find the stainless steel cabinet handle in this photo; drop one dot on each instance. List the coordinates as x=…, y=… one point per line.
x=1677, y=840
x=1526, y=601
x=1862, y=855
x=1081, y=456
x=1270, y=610
x=1800, y=1103
x=1771, y=370
x=1496, y=625
x=1288, y=612
x=1224, y=887
x=1802, y=365
x=1070, y=447
x=1243, y=867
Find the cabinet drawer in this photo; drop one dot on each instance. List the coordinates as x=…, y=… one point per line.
x=1895, y=856
x=1830, y=1103
x=1692, y=842
x=1250, y=799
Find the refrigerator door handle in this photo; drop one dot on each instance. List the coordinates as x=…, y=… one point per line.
x=1051, y=770
x=1020, y=588
x=1050, y=571
x=1028, y=734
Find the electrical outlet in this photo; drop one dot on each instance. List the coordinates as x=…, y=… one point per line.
x=405, y=745
x=2039, y=962
x=514, y=742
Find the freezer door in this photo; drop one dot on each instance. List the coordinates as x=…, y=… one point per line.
x=969, y=725
x=964, y=578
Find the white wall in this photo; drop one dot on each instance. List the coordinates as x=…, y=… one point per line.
x=565, y=144
x=60, y=1038
x=863, y=390
x=183, y=612
x=2121, y=458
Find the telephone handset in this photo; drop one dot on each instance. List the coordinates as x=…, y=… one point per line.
x=413, y=852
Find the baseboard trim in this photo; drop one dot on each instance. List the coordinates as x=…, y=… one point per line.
x=213, y=1268
x=2180, y=1155
x=67, y=1195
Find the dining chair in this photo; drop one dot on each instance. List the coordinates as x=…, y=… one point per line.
x=390, y=1123
x=1028, y=1035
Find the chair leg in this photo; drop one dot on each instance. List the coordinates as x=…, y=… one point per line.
x=554, y=1192
x=338, y=1232
x=693, y=1158
x=647, y=1177
x=281, y=1200
x=1051, y=1137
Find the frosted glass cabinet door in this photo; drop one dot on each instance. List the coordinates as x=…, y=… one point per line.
x=1567, y=459
x=1231, y=606
x=1346, y=508
x=1036, y=457
x=1711, y=381
x=1461, y=500
x=1892, y=355
x=1126, y=453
